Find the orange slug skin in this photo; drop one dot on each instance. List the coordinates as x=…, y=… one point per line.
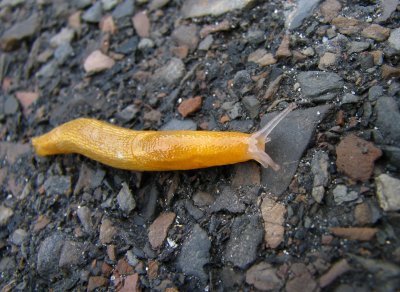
x=153, y=150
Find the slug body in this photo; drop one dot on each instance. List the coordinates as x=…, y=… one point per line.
x=156, y=150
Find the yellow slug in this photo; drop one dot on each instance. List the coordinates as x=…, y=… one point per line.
x=157, y=150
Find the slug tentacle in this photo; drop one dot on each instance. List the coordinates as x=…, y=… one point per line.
x=260, y=138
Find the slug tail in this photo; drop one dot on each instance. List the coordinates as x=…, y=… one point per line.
x=260, y=138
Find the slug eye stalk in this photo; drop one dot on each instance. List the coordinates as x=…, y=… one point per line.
x=260, y=138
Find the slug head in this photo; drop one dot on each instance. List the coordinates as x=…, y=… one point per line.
x=258, y=140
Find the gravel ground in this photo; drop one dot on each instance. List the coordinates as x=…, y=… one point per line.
x=328, y=220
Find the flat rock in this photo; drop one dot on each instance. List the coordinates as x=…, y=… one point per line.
x=109, y=4
x=252, y=105
x=388, y=191
x=64, y=36
x=354, y=233
x=246, y=236
x=320, y=86
x=330, y=9
x=388, y=119
x=301, y=279
x=229, y=200
x=288, y=142
x=176, y=124
x=11, y=152
x=246, y=174
x=71, y=255
x=304, y=9
x=348, y=26
x=394, y=39
x=107, y=231
x=141, y=23
x=356, y=157
x=5, y=215
x=97, y=62
x=339, y=268
x=49, y=254
x=203, y=199
x=340, y=195
x=206, y=43
x=273, y=214
x=94, y=13
x=170, y=73
x=350, y=98
x=366, y=213
x=198, y=8
x=327, y=60
x=125, y=199
x=264, y=277
x=195, y=254
x=12, y=37
x=319, y=168
x=58, y=185
x=159, y=228
x=376, y=32
x=89, y=178
x=262, y=57
x=126, y=8
x=388, y=7
x=85, y=216
x=186, y=35
x=96, y=282
x=190, y=106
x=356, y=47
x=19, y=236
x=9, y=105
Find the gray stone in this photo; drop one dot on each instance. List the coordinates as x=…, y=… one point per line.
x=123, y=9
x=233, y=109
x=176, y=124
x=89, y=178
x=128, y=113
x=63, y=53
x=388, y=7
x=193, y=211
x=19, y=236
x=255, y=36
x=350, y=98
x=388, y=191
x=170, y=73
x=341, y=195
x=145, y=43
x=11, y=3
x=94, y=13
x=49, y=255
x=65, y=36
x=10, y=106
x=206, y=43
x=320, y=86
x=71, y=255
x=303, y=10
x=195, y=254
x=246, y=236
x=12, y=37
x=394, y=39
x=128, y=47
x=228, y=200
x=356, y=47
x=125, y=199
x=85, y=216
x=375, y=92
x=109, y=4
x=7, y=265
x=186, y=35
x=195, y=8
x=392, y=154
x=80, y=4
x=319, y=168
x=288, y=142
x=5, y=215
x=252, y=105
x=388, y=119
x=394, y=88
x=203, y=199
x=58, y=185
x=48, y=70
x=264, y=277
x=150, y=203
